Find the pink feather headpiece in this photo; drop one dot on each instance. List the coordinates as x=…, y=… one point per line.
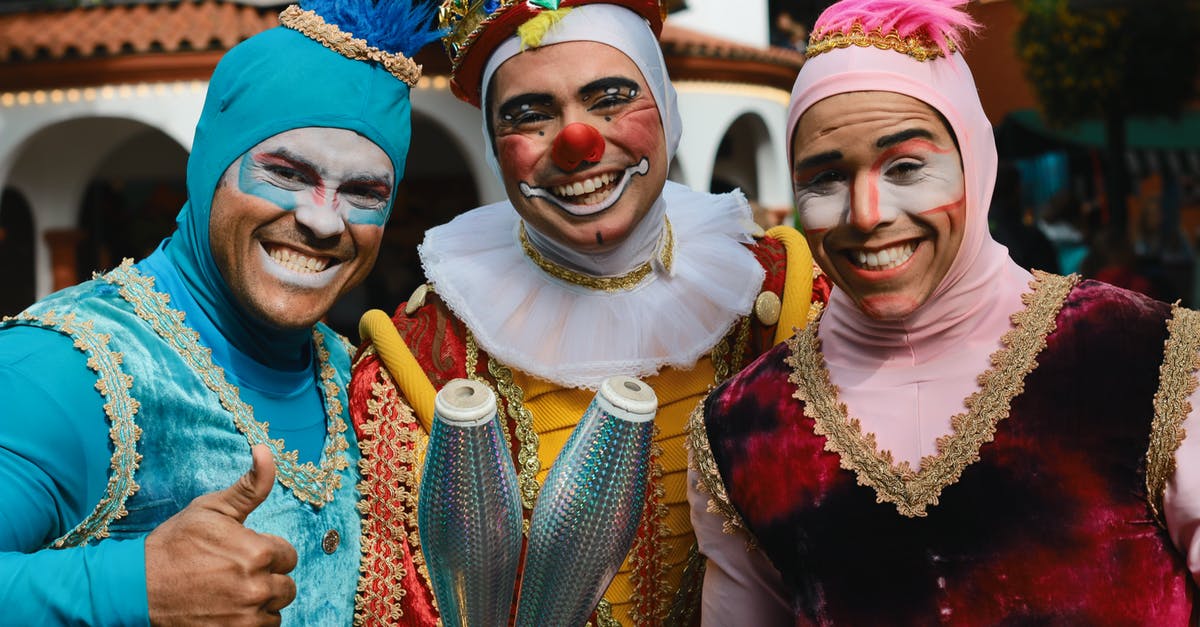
x=923, y=29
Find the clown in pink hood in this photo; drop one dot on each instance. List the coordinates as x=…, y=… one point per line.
x=954, y=439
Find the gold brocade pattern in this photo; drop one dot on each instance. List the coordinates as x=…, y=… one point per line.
x=388, y=506
x=120, y=408
x=914, y=491
x=705, y=465
x=920, y=48
x=308, y=483
x=629, y=280
x=528, y=463
x=1176, y=383
x=313, y=26
x=649, y=550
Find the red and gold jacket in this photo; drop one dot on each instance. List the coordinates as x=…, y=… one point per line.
x=407, y=357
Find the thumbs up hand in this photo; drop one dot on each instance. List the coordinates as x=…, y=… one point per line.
x=204, y=567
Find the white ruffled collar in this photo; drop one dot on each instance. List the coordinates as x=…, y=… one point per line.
x=577, y=337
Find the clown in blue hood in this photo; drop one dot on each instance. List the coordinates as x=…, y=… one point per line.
x=134, y=402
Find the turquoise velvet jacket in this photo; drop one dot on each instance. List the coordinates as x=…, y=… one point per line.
x=74, y=418
x=70, y=477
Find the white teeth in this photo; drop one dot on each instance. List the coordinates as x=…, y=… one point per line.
x=297, y=262
x=584, y=187
x=885, y=259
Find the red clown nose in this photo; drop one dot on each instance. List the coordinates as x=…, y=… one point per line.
x=576, y=143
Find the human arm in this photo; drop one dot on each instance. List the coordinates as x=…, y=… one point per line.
x=741, y=587
x=1181, y=499
x=54, y=459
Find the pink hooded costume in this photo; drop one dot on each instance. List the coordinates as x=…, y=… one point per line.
x=766, y=461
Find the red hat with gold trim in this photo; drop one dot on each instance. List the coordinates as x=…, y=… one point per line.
x=474, y=28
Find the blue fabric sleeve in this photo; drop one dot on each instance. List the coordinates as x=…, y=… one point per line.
x=54, y=459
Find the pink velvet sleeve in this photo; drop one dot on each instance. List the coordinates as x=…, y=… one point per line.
x=1181, y=501
x=741, y=587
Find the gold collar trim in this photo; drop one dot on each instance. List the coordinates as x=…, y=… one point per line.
x=308, y=483
x=329, y=35
x=626, y=281
x=914, y=491
x=1176, y=383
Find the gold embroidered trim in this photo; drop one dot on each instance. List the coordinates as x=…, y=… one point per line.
x=919, y=48
x=308, y=483
x=120, y=408
x=1176, y=383
x=648, y=577
x=686, y=602
x=313, y=26
x=604, y=615
x=626, y=281
x=389, y=446
x=701, y=461
x=528, y=464
x=913, y=491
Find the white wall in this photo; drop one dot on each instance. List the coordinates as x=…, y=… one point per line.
x=744, y=21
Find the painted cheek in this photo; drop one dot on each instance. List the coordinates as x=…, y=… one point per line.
x=518, y=156
x=821, y=213
x=370, y=217
x=250, y=184
x=639, y=131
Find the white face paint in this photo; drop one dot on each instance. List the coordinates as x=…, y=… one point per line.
x=297, y=221
x=880, y=193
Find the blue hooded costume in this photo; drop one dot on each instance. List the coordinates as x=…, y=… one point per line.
x=131, y=394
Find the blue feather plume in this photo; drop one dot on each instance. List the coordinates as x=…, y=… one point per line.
x=403, y=26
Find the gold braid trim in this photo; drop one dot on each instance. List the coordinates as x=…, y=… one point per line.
x=626, y=281
x=1176, y=382
x=308, y=482
x=919, y=48
x=313, y=26
x=119, y=407
x=702, y=462
x=912, y=492
x=649, y=551
x=687, y=597
x=388, y=503
x=528, y=463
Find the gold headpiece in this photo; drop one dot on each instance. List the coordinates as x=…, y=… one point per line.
x=474, y=28
x=919, y=47
x=313, y=26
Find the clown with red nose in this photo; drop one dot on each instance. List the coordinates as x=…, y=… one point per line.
x=593, y=266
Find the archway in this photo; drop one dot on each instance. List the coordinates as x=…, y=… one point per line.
x=745, y=157
x=16, y=253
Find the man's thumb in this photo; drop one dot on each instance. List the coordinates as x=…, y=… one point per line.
x=252, y=488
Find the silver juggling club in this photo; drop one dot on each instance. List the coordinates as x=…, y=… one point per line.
x=588, y=510
x=469, y=509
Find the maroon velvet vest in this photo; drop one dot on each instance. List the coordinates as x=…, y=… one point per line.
x=1052, y=526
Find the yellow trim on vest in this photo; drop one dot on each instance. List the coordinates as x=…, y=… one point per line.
x=376, y=327
x=797, y=286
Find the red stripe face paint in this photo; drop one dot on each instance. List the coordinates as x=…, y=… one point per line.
x=880, y=194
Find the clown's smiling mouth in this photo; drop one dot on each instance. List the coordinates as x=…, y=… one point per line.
x=584, y=198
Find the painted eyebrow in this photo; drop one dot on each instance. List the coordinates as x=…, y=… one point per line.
x=606, y=83
x=903, y=136
x=817, y=159
x=305, y=164
x=520, y=100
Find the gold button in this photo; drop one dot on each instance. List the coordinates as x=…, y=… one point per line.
x=331, y=541
x=768, y=307
x=417, y=300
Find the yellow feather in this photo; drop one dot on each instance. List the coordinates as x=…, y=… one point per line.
x=532, y=32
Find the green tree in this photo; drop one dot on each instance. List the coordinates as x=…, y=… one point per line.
x=1110, y=59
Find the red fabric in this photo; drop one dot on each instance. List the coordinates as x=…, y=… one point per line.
x=438, y=342
x=1050, y=526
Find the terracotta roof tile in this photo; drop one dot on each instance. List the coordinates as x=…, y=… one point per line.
x=133, y=28
x=687, y=42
